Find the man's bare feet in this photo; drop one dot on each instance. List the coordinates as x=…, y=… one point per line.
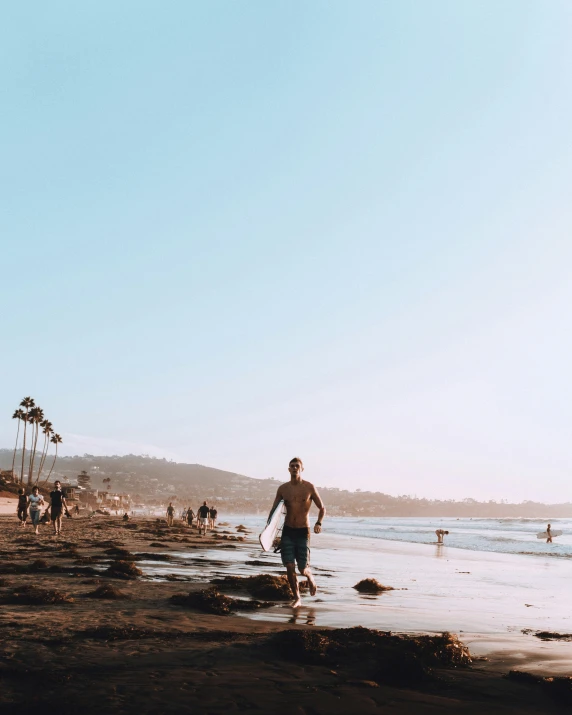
x=297, y=602
x=312, y=585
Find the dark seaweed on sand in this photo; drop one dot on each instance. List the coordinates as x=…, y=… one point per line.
x=371, y=585
x=557, y=688
x=265, y=586
x=551, y=636
x=116, y=633
x=108, y=592
x=119, y=553
x=123, y=569
x=380, y=656
x=34, y=596
x=210, y=600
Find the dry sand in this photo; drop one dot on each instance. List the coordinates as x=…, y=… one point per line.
x=145, y=655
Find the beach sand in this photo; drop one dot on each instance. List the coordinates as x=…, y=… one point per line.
x=8, y=506
x=146, y=655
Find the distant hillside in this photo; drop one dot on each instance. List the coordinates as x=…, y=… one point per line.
x=155, y=481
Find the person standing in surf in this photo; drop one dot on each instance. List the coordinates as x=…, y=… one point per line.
x=298, y=496
x=549, y=534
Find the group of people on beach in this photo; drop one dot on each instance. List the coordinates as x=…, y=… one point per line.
x=55, y=508
x=205, y=516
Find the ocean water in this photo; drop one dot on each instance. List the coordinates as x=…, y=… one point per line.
x=504, y=536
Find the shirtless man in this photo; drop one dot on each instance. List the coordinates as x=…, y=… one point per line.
x=549, y=534
x=170, y=513
x=298, y=496
x=440, y=534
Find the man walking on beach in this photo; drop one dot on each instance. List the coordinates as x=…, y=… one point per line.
x=190, y=517
x=203, y=518
x=298, y=496
x=170, y=512
x=22, y=507
x=57, y=506
x=213, y=513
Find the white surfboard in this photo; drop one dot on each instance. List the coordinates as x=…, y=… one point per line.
x=270, y=531
x=544, y=534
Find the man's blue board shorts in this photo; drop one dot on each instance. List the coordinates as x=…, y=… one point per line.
x=295, y=546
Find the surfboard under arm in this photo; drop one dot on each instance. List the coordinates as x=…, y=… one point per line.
x=269, y=532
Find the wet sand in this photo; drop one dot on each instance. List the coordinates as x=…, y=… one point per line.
x=144, y=654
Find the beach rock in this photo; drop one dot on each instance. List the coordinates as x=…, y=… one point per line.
x=123, y=569
x=371, y=585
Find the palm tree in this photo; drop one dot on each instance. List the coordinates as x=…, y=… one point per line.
x=27, y=403
x=56, y=439
x=47, y=430
x=35, y=417
x=18, y=415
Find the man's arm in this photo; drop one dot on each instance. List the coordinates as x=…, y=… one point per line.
x=277, y=501
x=315, y=497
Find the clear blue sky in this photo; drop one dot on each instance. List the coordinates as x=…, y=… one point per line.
x=235, y=232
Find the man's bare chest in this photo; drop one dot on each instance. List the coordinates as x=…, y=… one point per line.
x=293, y=495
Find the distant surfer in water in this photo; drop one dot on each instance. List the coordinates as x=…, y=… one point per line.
x=298, y=496
x=549, y=534
x=440, y=534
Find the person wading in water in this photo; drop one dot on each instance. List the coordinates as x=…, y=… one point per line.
x=298, y=496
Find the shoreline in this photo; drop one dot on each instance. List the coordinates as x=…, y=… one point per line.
x=144, y=654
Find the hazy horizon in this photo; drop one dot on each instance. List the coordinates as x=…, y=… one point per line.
x=236, y=233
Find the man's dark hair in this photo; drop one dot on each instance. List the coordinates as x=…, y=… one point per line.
x=296, y=459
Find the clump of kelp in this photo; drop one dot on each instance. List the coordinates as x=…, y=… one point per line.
x=265, y=586
x=210, y=600
x=557, y=688
x=552, y=636
x=371, y=585
x=379, y=656
x=108, y=592
x=123, y=569
x=42, y=566
x=116, y=633
x=28, y=595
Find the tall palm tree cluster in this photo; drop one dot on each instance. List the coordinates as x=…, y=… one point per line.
x=32, y=417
